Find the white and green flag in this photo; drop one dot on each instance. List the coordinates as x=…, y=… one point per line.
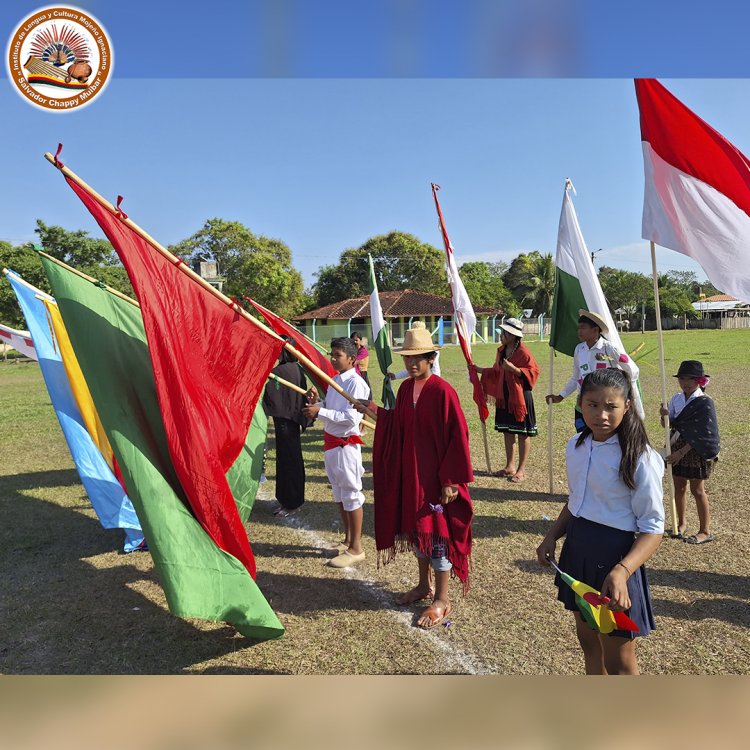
x=380, y=339
x=577, y=287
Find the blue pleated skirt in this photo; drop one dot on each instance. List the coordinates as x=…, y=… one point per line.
x=590, y=551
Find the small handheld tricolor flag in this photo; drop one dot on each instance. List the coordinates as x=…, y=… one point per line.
x=594, y=608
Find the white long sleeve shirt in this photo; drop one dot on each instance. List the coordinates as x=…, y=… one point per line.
x=601, y=355
x=598, y=494
x=338, y=416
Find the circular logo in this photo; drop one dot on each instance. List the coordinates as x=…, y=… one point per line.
x=59, y=58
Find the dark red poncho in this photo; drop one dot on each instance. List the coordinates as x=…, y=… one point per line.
x=417, y=451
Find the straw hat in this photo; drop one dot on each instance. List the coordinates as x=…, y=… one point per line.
x=598, y=319
x=417, y=341
x=513, y=326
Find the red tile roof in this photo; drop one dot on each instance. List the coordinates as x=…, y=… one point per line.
x=408, y=303
x=720, y=298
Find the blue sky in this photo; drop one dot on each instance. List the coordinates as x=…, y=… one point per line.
x=325, y=163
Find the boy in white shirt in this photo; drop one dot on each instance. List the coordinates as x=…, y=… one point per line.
x=594, y=352
x=342, y=451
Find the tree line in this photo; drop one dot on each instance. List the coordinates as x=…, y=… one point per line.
x=262, y=268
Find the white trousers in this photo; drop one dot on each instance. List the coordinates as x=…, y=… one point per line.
x=344, y=470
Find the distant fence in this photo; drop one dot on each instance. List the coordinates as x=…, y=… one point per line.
x=685, y=323
x=487, y=330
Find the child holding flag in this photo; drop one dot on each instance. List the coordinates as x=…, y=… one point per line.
x=694, y=448
x=342, y=451
x=615, y=481
x=508, y=384
x=421, y=466
x=594, y=353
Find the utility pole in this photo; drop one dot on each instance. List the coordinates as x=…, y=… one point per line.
x=594, y=252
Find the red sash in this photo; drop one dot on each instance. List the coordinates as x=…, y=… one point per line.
x=331, y=441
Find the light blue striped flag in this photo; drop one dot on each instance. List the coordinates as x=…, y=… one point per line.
x=111, y=504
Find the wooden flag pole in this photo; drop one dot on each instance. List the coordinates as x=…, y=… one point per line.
x=135, y=303
x=662, y=367
x=486, y=447
x=549, y=422
x=89, y=278
x=181, y=266
x=288, y=384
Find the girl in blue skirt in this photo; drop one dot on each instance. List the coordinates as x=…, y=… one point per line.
x=613, y=521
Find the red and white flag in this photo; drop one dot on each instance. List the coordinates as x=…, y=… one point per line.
x=697, y=190
x=18, y=340
x=464, y=318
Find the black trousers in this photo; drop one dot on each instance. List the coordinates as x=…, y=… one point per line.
x=290, y=468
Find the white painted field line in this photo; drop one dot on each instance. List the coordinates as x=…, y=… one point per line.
x=455, y=658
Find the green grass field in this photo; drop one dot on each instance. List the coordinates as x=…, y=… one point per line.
x=72, y=603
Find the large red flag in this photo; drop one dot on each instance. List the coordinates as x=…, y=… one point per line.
x=301, y=342
x=697, y=189
x=465, y=320
x=207, y=392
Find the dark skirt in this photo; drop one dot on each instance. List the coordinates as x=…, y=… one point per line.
x=290, y=467
x=590, y=551
x=691, y=465
x=506, y=422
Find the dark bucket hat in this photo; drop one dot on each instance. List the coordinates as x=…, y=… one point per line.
x=691, y=368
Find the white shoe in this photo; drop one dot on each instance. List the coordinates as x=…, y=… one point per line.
x=345, y=559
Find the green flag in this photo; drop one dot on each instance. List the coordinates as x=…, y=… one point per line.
x=199, y=579
x=380, y=339
x=577, y=288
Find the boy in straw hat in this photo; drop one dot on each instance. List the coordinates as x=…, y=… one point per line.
x=594, y=352
x=421, y=466
x=435, y=366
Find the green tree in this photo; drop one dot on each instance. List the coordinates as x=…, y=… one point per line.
x=531, y=280
x=484, y=285
x=401, y=261
x=251, y=264
x=673, y=300
x=24, y=261
x=93, y=256
x=75, y=248
x=625, y=289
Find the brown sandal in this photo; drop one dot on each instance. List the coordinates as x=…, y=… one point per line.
x=413, y=595
x=434, y=617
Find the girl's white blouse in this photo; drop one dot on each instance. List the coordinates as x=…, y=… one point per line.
x=598, y=494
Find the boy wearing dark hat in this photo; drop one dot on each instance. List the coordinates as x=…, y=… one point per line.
x=594, y=352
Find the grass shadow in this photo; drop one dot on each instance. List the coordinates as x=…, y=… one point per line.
x=701, y=580
x=728, y=610
x=501, y=494
x=297, y=595
x=61, y=614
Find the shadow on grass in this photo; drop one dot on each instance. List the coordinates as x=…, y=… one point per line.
x=517, y=494
x=61, y=614
x=297, y=595
x=701, y=580
x=298, y=551
x=493, y=527
x=319, y=517
x=729, y=610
